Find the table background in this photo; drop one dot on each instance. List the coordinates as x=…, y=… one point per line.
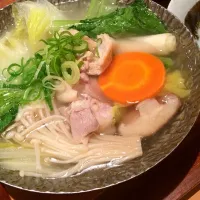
x=177, y=177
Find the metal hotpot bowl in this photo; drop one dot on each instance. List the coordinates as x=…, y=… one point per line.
x=155, y=148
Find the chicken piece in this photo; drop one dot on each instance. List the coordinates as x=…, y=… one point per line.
x=65, y=111
x=92, y=89
x=91, y=43
x=82, y=120
x=67, y=95
x=88, y=115
x=149, y=116
x=103, y=113
x=105, y=51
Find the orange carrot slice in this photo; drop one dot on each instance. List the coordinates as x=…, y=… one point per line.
x=4, y=3
x=132, y=77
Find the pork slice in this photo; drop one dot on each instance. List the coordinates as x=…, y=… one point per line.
x=105, y=50
x=103, y=112
x=149, y=116
x=82, y=120
x=92, y=89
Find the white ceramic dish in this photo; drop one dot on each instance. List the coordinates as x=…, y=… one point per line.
x=188, y=11
x=180, y=8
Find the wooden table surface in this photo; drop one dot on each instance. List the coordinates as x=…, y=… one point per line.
x=177, y=177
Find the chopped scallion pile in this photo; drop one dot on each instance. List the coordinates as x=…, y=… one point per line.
x=39, y=76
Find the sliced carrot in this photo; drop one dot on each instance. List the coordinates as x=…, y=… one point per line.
x=4, y=3
x=132, y=77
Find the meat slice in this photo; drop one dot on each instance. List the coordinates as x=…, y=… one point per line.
x=89, y=115
x=91, y=43
x=105, y=51
x=92, y=89
x=104, y=114
x=82, y=120
x=149, y=116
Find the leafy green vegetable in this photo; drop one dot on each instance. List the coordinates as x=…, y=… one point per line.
x=8, y=118
x=33, y=20
x=98, y=8
x=9, y=98
x=57, y=24
x=93, y=9
x=106, y=7
x=168, y=62
x=135, y=19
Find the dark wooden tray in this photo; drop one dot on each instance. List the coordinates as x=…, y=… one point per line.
x=177, y=177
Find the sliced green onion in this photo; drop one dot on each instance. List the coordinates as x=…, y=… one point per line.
x=53, y=83
x=55, y=65
x=56, y=35
x=44, y=41
x=79, y=35
x=38, y=70
x=81, y=48
x=29, y=61
x=74, y=77
x=66, y=46
x=5, y=73
x=51, y=67
x=99, y=42
x=80, y=64
x=52, y=42
x=65, y=33
x=47, y=70
x=15, y=69
x=13, y=86
x=11, y=78
x=66, y=38
x=38, y=56
x=69, y=56
x=28, y=74
x=52, y=49
x=48, y=97
x=32, y=94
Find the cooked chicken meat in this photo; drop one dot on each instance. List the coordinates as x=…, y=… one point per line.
x=149, y=116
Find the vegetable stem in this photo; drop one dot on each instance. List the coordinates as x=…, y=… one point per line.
x=63, y=23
